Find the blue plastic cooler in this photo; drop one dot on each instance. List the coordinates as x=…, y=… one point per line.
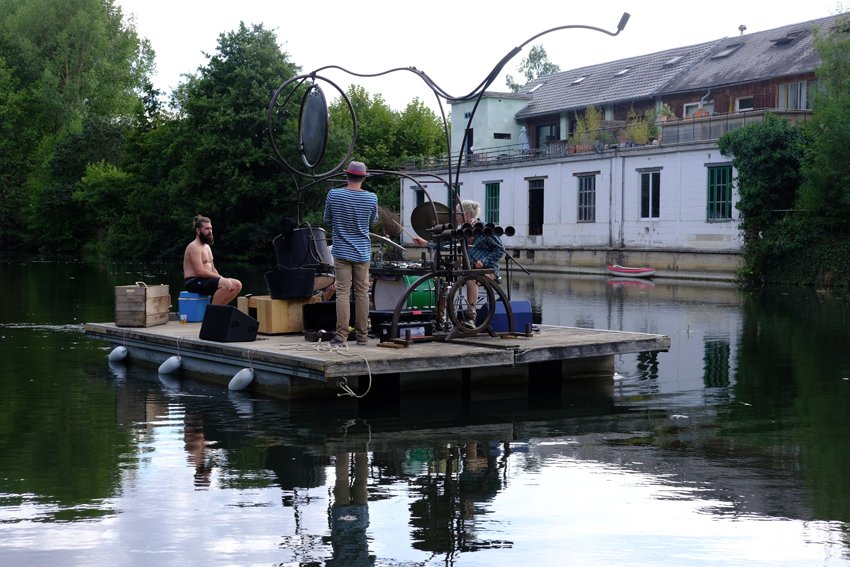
x=192, y=305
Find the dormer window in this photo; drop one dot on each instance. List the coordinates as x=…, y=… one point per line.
x=787, y=38
x=580, y=79
x=674, y=60
x=622, y=72
x=727, y=51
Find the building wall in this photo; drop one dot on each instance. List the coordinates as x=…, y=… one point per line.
x=681, y=226
x=495, y=114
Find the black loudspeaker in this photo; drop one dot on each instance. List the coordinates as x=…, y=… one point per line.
x=321, y=316
x=290, y=283
x=226, y=324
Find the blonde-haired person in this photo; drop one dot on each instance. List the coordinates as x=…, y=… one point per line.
x=485, y=252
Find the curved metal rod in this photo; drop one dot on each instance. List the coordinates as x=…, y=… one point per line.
x=477, y=93
x=479, y=90
x=295, y=82
x=402, y=301
x=491, y=302
x=496, y=70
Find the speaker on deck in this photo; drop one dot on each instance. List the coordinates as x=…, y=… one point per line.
x=521, y=311
x=321, y=316
x=226, y=324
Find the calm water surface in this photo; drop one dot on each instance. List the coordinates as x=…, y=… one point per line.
x=730, y=449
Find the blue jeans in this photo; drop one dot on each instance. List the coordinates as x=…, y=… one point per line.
x=346, y=273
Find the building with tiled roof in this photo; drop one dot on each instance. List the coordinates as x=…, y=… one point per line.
x=649, y=189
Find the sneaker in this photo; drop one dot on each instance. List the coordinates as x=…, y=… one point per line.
x=336, y=342
x=362, y=342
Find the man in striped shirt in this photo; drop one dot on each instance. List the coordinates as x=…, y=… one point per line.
x=351, y=211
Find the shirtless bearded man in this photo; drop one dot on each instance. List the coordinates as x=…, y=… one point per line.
x=199, y=270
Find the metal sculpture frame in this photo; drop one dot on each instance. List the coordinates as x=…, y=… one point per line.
x=450, y=271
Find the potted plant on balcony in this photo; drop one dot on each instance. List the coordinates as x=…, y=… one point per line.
x=637, y=127
x=588, y=128
x=665, y=113
x=700, y=112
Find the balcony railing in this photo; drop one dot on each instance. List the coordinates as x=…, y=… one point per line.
x=671, y=132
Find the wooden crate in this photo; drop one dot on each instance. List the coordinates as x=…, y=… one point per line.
x=141, y=305
x=276, y=316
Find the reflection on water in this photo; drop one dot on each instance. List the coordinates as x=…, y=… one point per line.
x=728, y=449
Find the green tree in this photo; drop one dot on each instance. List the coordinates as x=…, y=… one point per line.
x=535, y=65
x=225, y=167
x=376, y=143
x=72, y=64
x=825, y=193
x=768, y=159
x=17, y=141
x=420, y=132
x=61, y=220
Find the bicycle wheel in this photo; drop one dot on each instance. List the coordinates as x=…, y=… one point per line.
x=460, y=307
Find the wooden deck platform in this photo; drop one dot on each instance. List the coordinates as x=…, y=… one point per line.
x=288, y=365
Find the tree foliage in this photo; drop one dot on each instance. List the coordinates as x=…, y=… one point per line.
x=225, y=168
x=767, y=157
x=803, y=170
x=68, y=66
x=825, y=194
x=535, y=65
x=387, y=139
x=92, y=162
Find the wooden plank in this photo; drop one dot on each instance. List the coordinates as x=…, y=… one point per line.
x=140, y=319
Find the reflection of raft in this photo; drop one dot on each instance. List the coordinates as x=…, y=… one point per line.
x=625, y=271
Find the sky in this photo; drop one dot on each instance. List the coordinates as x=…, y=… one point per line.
x=457, y=44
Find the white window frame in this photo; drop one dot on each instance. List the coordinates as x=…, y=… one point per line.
x=794, y=96
x=690, y=108
x=749, y=103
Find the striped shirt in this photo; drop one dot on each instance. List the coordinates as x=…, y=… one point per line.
x=351, y=213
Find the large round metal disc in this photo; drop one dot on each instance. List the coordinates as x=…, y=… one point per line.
x=314, y=126
x=422, y=218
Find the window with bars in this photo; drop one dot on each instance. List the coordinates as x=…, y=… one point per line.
x=650, y=194
x=586, y=198
x=535, y=207
x=719, y=202
x=491, y=203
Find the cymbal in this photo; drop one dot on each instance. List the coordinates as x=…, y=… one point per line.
x=388, y=241
x=422, y=218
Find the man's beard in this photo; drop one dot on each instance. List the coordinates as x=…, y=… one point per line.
x=206, y=239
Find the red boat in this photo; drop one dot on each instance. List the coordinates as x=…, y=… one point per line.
x=625, y=271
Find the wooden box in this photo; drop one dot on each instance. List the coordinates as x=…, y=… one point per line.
x=141, y=305
x=276, y=316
